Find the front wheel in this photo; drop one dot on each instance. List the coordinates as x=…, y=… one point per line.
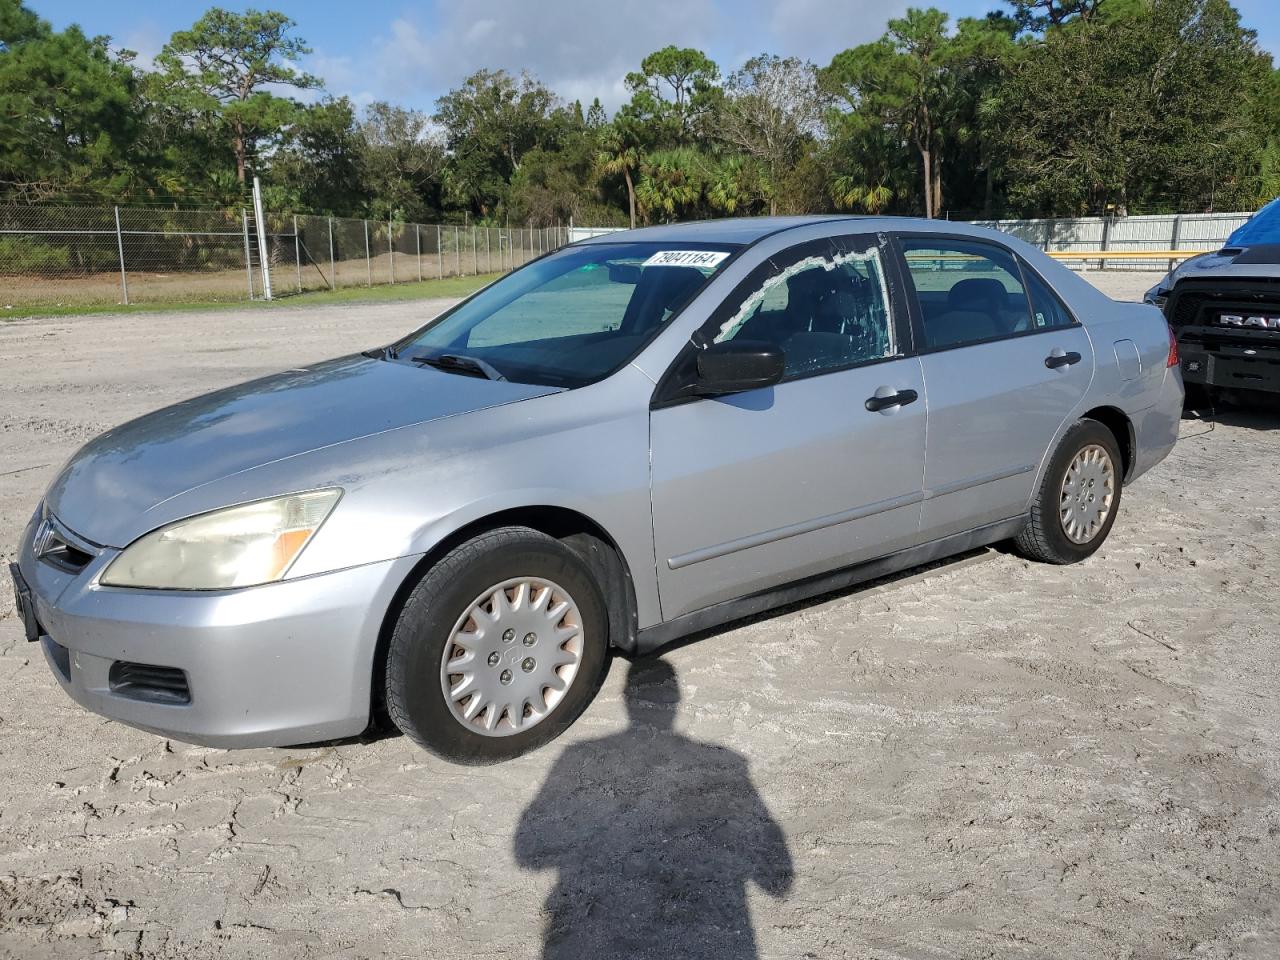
x=1076, y=504
x=499, y=648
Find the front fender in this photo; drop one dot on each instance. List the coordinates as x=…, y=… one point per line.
x=585, y=450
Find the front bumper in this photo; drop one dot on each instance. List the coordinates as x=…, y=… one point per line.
x=1232, y=364
x=280, y=664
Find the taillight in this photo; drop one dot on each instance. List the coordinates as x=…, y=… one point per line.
x=1173, y=347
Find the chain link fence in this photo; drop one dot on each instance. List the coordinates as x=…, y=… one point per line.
x=66, y=256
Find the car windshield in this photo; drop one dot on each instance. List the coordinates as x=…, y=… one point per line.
x=570, y=318
x=1262, y=227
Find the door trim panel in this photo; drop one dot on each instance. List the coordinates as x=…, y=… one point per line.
x=651, y=638
x=958, y=485
x=796, y=529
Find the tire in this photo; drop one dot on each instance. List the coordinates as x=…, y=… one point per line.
x=1047, y=537
x=492, y=643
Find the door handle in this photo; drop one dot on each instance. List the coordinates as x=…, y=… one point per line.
x=1057, y=359
x=899, y=399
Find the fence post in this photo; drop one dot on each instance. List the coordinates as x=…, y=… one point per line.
x=297, y=251
x=124, y=281
x=368, y=260
x=333, y=263
x=261, y=220
x=417, y=239
x=391, y=248
x=488, y=254
x=1106, y=239
x=248, y=257
x=439, y=254
x=1173, y=241
x=457, y=250
x=475, y=251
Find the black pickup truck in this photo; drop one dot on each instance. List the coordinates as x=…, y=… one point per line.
x=1224, y=308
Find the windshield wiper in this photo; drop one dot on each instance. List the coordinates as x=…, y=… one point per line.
x=379, y=353
x=456, y=363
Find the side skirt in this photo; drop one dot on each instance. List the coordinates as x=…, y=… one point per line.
x=659, y=635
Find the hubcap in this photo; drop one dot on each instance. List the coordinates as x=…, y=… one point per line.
x=1088, y=490
x=512, y=656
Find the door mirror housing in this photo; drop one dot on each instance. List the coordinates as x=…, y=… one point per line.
x=736, y=366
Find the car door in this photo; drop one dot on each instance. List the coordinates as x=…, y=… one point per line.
x=822, y=470
x=1005, y=363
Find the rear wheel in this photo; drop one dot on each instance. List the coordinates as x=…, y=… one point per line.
x=1079, y=495
x=498, y=649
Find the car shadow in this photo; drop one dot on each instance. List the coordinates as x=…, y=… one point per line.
x=381, y=728
x=976, y=555
x=1264, y=415
x=654, y=837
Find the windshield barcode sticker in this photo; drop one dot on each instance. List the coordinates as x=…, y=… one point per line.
x=706, y=259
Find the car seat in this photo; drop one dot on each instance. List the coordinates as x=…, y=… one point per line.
x=659, y=290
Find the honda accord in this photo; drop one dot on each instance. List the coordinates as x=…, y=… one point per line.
x=630, y=439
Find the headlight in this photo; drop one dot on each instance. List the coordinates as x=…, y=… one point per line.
x=237, y=547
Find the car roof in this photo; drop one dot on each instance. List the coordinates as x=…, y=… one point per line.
x=746, y=230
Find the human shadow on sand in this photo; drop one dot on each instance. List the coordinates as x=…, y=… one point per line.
x=655, y=837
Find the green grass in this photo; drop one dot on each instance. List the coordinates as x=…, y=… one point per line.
x=424, y=290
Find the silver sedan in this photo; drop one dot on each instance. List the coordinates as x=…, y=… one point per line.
x=633, y=438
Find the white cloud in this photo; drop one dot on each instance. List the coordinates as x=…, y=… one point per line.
x=813, y=30
x=581, y=48
x=584, y=48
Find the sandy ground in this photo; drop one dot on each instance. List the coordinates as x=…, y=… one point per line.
x=988, y=758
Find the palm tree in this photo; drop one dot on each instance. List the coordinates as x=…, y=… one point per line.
x=670, y=182
x=736, y=184
x=849, y=192
x=619, y=153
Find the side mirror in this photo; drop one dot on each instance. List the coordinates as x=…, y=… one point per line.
x=736, y=366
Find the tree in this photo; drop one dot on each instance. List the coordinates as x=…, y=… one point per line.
x=221, y=66
x=620, y=153
x=1038, y=15
x=672, y=94
x=319, y=167
x=981, y=55
x=671, y=183
x=772, y=105
x=596, y=117
x=401, y=161
x=735, y=186
x=1160, y=109
x=68, y=118
x=904, y=81
x=490, y=122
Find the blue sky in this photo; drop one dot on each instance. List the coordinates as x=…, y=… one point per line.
x=411, y=53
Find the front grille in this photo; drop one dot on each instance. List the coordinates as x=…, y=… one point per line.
x=144, y=681
x=64, y=556
x=1185, y=310
x=1199, y=303
x=58, y=547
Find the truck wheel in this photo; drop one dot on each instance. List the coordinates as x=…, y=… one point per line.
x=498, y=649
x=1076, y=505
